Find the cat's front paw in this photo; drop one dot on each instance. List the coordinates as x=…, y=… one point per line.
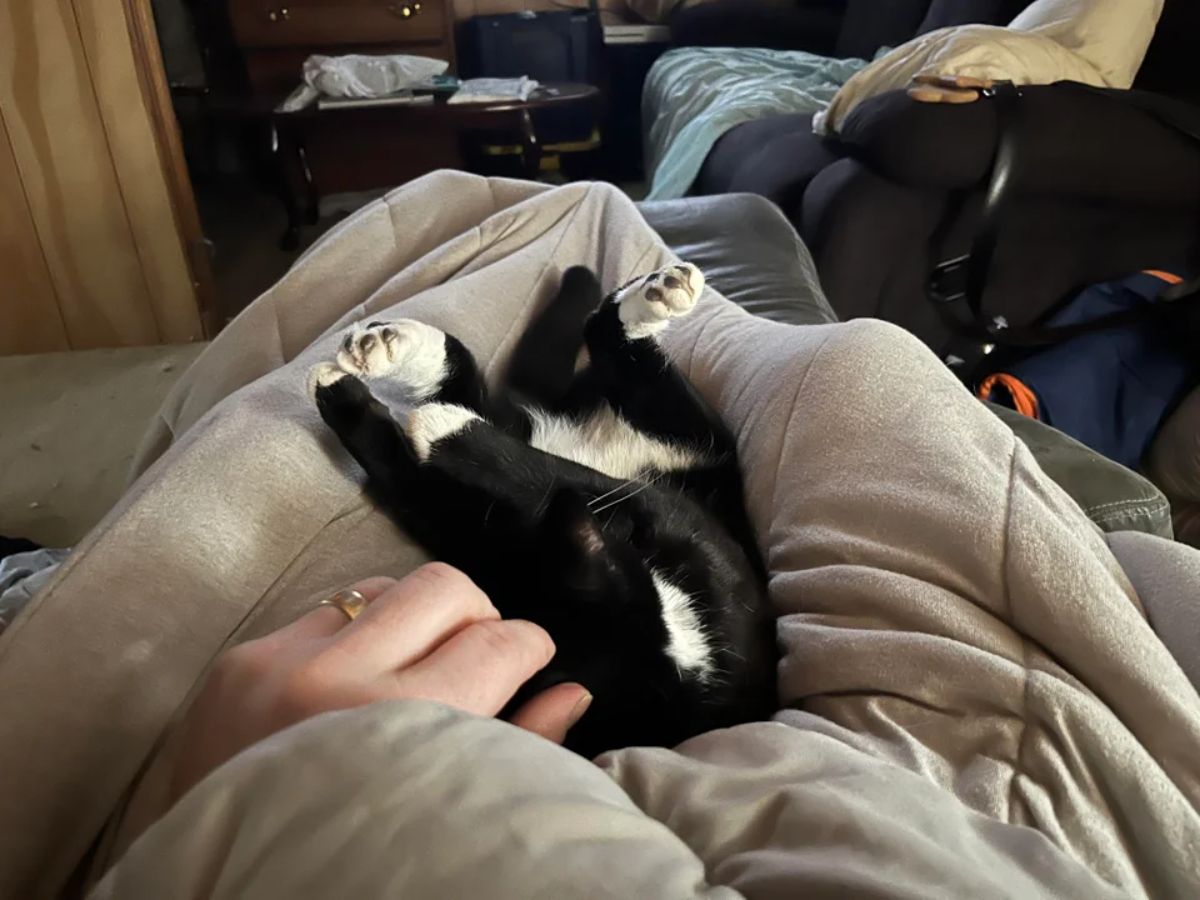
x=407, y=351
x=649, y=303
x=323, y=375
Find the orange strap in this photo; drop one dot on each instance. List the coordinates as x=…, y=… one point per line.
x=1164, y=276
x=1025, y=401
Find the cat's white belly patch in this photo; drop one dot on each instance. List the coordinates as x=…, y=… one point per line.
x=687, y=644
x=606, y=443
x=434, y=422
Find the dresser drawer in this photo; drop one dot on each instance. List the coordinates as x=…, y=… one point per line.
x=315, y=23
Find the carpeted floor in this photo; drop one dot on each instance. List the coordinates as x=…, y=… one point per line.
x=244, y=226
x=69, y=426
x=70, y=422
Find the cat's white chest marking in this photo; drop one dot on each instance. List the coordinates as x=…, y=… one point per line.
x=687, y=642
x=607, y=443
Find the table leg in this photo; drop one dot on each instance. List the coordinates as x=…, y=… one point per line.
x=531, y=147
x=312, y=195
x=283, y=184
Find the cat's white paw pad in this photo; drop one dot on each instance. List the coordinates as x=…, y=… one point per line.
x=369, y=350
x=407, y=351
x=323, y=375
x=649, y=303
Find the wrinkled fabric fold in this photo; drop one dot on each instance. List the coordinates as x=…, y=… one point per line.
x=972, y=698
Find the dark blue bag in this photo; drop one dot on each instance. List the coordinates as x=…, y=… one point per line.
x=1110, y=389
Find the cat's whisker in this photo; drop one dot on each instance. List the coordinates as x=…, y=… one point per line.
x=627, y=496
x=610, y=493
x=541, y=507
x=619, y=487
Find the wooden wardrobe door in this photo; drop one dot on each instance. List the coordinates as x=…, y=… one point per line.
x=89, y=181
x=30, y=321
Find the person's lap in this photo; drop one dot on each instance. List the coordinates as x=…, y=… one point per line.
x=926, y=572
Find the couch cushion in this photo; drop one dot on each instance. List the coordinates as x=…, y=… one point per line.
x=1174, y=463
x=944, y=13
x=1170, y=66
x=869, y=25
x=748, y=251
x=776, y=26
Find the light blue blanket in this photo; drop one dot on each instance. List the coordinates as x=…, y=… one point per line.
x=694, y=95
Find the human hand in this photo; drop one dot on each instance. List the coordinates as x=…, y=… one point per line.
x=947, y=88
x=432, y=635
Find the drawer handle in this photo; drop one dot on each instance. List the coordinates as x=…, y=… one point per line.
x=405, y=10
x=279, y=15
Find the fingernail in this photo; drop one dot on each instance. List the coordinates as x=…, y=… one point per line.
x=580, y=707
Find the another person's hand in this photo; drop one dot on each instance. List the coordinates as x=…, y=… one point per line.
x=433, y=635
x=948, y=88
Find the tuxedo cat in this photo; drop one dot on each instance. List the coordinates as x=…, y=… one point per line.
x=605, y=504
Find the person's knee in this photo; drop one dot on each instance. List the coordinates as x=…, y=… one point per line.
x=871, y=351
x=874, y=372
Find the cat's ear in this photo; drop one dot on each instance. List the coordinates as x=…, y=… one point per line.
x=577, y=538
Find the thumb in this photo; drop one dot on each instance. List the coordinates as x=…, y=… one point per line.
x=552, y=712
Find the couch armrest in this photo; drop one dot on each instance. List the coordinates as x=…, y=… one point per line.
x=1112, y=496
x=1075, y=143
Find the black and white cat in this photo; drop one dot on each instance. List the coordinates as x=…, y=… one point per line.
x=605, y=504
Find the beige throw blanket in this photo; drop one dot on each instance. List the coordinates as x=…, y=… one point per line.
x=973, y=703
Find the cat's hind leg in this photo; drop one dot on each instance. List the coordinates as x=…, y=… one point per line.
x=630, y=371
x=543, y=362
x=646, y=305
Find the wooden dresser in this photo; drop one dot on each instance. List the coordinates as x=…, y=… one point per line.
x=352, y=151
x=276, y=36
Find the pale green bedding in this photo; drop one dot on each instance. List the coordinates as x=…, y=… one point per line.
x=694, y=95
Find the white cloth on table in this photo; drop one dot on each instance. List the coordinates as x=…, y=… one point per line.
x=494, y=90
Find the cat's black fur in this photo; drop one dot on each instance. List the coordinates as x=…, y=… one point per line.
x=537, y=534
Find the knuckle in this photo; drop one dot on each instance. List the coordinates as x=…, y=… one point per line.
x=457, y=586
x=375, y=586
x=495, y=637
x=442, y=574
x=512, y=640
